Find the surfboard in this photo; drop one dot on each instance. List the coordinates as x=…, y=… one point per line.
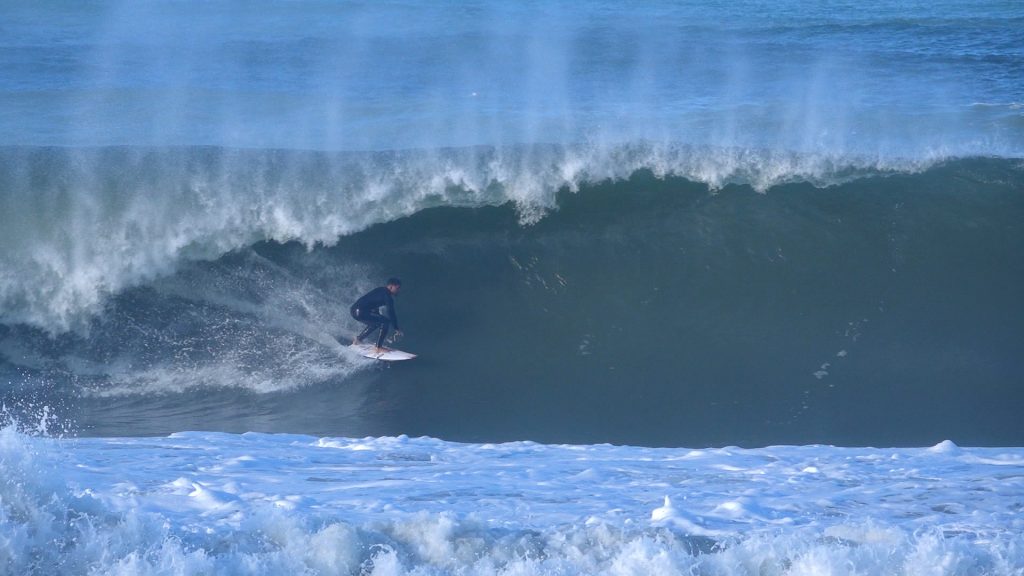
x=390, y=354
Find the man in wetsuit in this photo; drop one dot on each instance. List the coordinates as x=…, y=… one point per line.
x=367, y=311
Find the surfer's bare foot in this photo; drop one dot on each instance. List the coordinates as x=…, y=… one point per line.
x=356, y=342
x=379, y=350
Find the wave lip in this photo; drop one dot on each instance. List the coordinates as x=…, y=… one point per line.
x=79, y=225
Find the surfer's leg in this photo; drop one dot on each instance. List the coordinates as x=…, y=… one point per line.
x=370, y=327
x=383, y=333
x=373, y=322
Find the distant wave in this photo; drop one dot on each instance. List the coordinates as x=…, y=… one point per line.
x=81, y=224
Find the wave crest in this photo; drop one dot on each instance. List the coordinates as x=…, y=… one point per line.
x=79, y=225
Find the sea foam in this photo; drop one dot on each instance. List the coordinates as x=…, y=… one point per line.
x=195, y=503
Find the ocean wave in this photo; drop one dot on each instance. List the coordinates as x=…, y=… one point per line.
x=80, y=225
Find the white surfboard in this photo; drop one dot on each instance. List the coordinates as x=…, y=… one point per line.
x=390, y=354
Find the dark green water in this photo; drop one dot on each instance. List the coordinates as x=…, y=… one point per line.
x=887, y=311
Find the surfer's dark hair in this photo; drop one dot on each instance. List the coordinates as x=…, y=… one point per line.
x=394, y=282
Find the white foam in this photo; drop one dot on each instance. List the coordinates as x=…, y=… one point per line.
x=198, y=503
x=945, y=447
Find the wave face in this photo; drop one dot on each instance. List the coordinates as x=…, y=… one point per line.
x=869, y=312
x=728, y=228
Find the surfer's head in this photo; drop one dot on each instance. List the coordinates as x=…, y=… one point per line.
x=394, y=285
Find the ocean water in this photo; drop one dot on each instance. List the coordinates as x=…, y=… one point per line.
x=705, y=252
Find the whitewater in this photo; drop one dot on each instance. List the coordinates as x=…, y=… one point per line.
x=696, y=288
x=214, y=503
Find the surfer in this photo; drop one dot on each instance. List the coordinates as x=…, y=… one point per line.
x=367, y=311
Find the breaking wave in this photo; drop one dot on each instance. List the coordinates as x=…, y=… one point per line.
x=80, y=225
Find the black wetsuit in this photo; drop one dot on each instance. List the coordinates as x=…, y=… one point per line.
x=367, y=311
